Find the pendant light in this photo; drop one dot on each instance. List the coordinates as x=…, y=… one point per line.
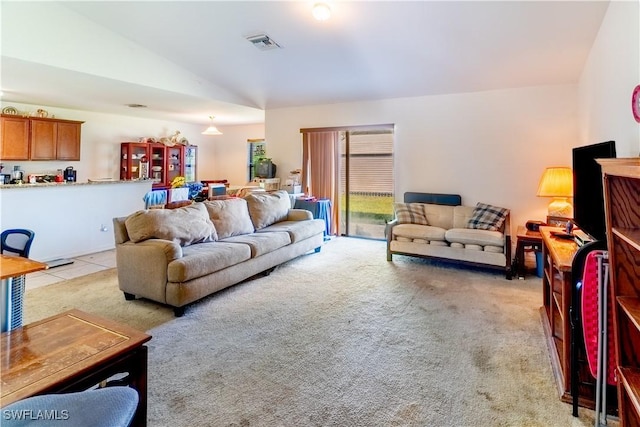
x=211, y=130
x=321, y=11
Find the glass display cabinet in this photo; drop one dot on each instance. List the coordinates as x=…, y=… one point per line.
x=152, y=161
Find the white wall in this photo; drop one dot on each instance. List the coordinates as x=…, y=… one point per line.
x=228, y=153
x=486, y=146
x=610, y=74
x=70, y=219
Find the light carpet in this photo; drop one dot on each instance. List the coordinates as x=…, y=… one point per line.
x=341, y=338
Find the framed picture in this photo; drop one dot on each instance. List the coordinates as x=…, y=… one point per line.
x=558, y=221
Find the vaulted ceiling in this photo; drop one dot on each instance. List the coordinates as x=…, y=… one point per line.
x=187, y=60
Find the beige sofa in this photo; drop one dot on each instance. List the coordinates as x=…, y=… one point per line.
x=449, y=232
x=178, y=256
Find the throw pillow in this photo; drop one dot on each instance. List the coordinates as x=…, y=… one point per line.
x=410, y=213
x=229, y=216
x=185, y=226
x=268, y=208
x=487, y=217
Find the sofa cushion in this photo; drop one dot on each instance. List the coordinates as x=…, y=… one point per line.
x=206, y=258
x=469, y=236
x=415, y=231
x=410, y=213
x=488, y=217
x=185, y=226
x=268, y=208
x=262, y=243
x=462, y=215
x=229, y=216
x=298, y=230
x=439, y=215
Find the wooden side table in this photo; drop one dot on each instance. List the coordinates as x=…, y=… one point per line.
x=526, y=239
x=72, y=351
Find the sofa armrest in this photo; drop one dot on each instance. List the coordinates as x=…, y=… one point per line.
x=142, y=267
x=299, y=215
x=388, y=229
x=171, y=250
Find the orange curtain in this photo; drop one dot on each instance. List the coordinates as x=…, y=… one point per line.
x=320, y=169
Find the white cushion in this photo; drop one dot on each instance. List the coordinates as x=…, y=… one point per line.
x=415, y=231
x=473, y=236
x=439, y=215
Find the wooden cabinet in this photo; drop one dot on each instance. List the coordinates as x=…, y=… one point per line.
x=621, y=179
x=39, y=139
x=557, y=256
x=14, y=142
x=190, y=156
x=558, y=303
x=151, y=161
x=55, y=139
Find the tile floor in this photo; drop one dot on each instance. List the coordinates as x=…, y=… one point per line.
x=81, y=266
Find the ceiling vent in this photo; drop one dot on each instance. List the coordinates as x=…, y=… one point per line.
x=263, y=42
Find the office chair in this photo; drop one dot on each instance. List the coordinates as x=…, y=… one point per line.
x=17, y=241
x=102, y=407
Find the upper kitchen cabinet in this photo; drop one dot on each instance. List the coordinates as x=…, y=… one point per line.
x=14, y=139
x=53, y=139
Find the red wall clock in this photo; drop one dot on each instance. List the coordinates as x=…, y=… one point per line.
x=635, y=103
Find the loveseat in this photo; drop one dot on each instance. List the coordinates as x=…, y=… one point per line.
x=439, y=226
x=178, y=256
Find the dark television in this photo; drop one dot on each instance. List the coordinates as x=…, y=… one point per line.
x=588, y=198
x=265, y=169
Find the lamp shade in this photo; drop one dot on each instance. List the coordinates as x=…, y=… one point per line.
x=211, y=130
x=556, y=182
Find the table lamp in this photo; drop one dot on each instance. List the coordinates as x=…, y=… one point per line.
x=557, y=182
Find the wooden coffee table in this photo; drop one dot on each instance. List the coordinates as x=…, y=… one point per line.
x=69, y=352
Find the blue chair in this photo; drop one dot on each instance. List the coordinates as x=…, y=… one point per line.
x=102, y=407
x=16, y=241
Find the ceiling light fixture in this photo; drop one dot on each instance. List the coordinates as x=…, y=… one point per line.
x=321, y=11
x=211, y=130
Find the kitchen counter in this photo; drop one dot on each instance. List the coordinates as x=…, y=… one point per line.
x=70, y=219
x=72, y=184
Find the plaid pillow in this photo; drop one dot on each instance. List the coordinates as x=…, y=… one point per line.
x=487, y=217
x=410, y=213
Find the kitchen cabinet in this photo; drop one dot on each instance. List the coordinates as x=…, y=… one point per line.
x=52, y=139
x=152, y=161
x=25, y=138
x=14, y=142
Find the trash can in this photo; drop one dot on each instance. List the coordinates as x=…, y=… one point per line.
x=539, y=264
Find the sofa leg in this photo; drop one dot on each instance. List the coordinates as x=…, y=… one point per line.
x=389, y=256
x=509, y=273
x=179, y=311
x=268, y=271
x=128, y=296
x=316, y=250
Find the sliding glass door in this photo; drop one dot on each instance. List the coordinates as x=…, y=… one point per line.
x=366, y=182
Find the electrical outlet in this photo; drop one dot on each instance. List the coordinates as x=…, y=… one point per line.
x=103, y=227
